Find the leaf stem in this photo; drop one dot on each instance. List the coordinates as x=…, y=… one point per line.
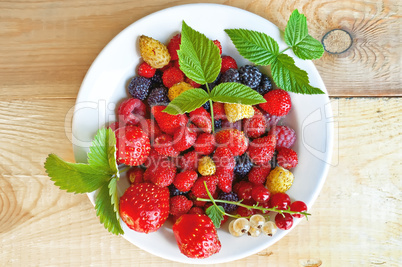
x=285, y=50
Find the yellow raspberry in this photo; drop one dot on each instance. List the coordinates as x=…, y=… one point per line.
x=177, y=89
x=235, y=112
x=279, y=180
x=154, y=52
x=206, y=166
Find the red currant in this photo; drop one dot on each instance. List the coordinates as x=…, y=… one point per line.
x=298, y=206
x=284, y=221
x=280, y=200
x=244, y=191
x=260, y=194
x=244, y=212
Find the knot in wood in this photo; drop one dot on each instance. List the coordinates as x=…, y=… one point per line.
x=337, y=41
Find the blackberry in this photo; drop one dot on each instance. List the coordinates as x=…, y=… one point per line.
x=274, y=162
x=213, y=84
x=265, y=85
x=217, y=124
x=207, y=106
x=250, y=76
x=229, y=197
x=174, y=191
x=156, y=80
x=231, y=75
x=243, y=166
x=158, y=96
x=139, y=87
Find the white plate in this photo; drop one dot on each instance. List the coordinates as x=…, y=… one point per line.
x=104, y=87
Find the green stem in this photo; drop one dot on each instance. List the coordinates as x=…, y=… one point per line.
x=285, y=50
x=212, y=109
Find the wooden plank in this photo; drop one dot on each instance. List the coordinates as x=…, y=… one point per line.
x=47, y=46
x=355, y=220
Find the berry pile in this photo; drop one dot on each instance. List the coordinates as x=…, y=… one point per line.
x=247, y=159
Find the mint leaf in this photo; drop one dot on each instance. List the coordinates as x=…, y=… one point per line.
x=296, y=36
x=216, y=214
x=105, y=208
x=236, y=93
x=75, y=177
x=257, y=47
x=187, y=101
x=199, y=57
x=102, y=153
x=289, y=77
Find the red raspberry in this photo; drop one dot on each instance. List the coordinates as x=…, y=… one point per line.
x=298, y=206
x=132, y=145
x=145, y=70
x=171, y=76
x=202, y=119
x=224, y=159
x=278, y=102
x=173, y=46
x=286, y=158
x=205, y=144
x=179, y=205
x=244, y=191
x=256, y=125
x=219, y=111
x=225, y=180
x=164, y=146
x=192, y=83
x=259, y=174
x=218, y=44
x=151, y=128
x=234, y=140
x=196, y=210
x=183, y=139
x=285, y=136
x=135, y=175
x=280, y=200
x=228, y=63
x=260, y=194
x=262, y=149
x=131, y=111
x=284, y=222
x=162, y=174
x=189, y=161
x=168, y=123
x=198, y=188
x=185, y=180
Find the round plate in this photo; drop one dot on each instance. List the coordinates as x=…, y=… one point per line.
x=104, y=87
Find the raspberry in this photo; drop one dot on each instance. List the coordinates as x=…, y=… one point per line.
x=260, y=194
x=177, y=89
x=279, y=180
x=145, y=70
x=131, y=111
x=173, y=46
x=139, y=87
x=250, y=76
x=255, y=126
x=298, y=206
x=135, y=175
x=158, y=96
x=258, y=174
x=206, y=166
x=185, y=180
x=189, y=161
x=154, y=52
x=198, y=188
x=231, y=75
x=234, y=140
x=262, y=149
x=183, y=139
x=164, y=146
x=271, y=119
x=219, y=110
x=132, y=145
x=231, y=196
x=202, y=119
x=278, y=102
x=167, y=122
x=285, y=136
x=225, y=180
x=228, y=63
x=171, y=76
x=243, y=166
x=218, y=44
x=192, y=83
x=235, y=112
x=265, y=85
x=286, y=158
x=205, y=144
x=180, y=205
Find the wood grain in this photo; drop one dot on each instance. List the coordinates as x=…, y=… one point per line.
x=356, y=219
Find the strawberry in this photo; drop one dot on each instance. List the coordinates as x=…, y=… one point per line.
x=205, y=144
x=218, y=44
x=189, y=161
x=285, y=136
x=178, y=88
x=173, y=46
x=179, y=205
x=161, y=174
x=234, y=140
x=219, y=111
x=171, y=76
x=286, y=157
x=115, y=125
x=198, y=188
x=184, y=138
x=132, y=145
x=168, y=123
x=255, y=126
x=185, y=180
x=225, y=180
x=135, y=175
x=131, y=111
x=150, y=128
x=258, y=174
x=224, y=159
x=144, y=207
x=164, y=146
x=153, y=159
x=196, y=236
x=278, y=102
x=262, y=149
x=279, y=180
x=228, y=63
x=154, y=52
x=196, y=210
x=202, y=119
x=192, y=83
x=145, y=70
x=206, y=166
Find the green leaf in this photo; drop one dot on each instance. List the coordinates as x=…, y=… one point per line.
x=105, y=208
x=236, y=93
x=296, y=36
x=187, y=101
x=75, y=177
x=216, y=214
x=289, y=77
x=199, y=57
x=102, y=153
x=114, y=197
x=257, y=47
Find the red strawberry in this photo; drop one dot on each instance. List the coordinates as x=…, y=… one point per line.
x=278, y=102
x=144, y=207
x=259, y=174
x=180, y=205
x=225, y=180
x=192, y=83
x=286, y=157
x=234, y=140
x=256, y=125
x=219, y=111
x=115, y=125
x=164, y=146
x=131, y=111
x=153, y=159
x=132, y=145
x=185, y=180
x=162, y=174
x=285, y=136
x=196, y=210
x=262, y=149
x=151, y=128
x=168, y=123
x=202, y=119
x=135, y=175
x=173, y=46
x=205, y=144
x=184, y=138
x=218, y=44
x=145, y=70
x=196, y=236
x=189, y=161
x=198, y=188
x=171, y=76
x=224, y=159
x=228, y=63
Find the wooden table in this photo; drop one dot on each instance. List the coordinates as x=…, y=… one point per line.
x=46, y=49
